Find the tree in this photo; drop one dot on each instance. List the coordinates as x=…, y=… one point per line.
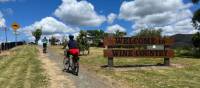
x=196, y=16
x=150, y=33
x=37, y=34
x=196, y=24
x=64, y=41
x=53, y=40
x=83, y=42
x=96, y=36
x=196, y=40
x=195, y=1
x=119, y=33
x=196, y=20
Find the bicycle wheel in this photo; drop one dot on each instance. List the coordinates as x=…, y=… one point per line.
x=76, y=66
x=66, y=64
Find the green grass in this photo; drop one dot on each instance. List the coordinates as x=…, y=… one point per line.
x=22, y=69
x=184, y=72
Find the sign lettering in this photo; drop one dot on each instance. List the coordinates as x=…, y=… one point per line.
x=138, y=53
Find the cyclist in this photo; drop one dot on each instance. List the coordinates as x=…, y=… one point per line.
x=45, y=41
x=73, y=48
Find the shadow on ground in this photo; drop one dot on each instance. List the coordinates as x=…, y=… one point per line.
x=136, y=65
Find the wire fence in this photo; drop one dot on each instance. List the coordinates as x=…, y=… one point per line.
x=9, y=45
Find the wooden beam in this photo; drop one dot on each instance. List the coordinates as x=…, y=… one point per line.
x=139, y=53
x=137, y=41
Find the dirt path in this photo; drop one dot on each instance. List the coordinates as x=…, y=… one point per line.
x=57, y=78
x=85, y=78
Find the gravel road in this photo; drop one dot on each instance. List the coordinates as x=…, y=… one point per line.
x=85, y=79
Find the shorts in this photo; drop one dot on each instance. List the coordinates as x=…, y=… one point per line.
x=74, y=52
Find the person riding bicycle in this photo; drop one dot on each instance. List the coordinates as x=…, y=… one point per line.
x=71, y=55
x=73, y=47
x=45, y=41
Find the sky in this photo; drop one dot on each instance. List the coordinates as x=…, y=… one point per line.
x=63, y=17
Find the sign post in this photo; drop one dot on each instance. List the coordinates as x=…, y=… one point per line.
x=15, y=27
x=5, y=29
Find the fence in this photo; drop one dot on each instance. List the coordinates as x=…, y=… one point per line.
x=7, y=46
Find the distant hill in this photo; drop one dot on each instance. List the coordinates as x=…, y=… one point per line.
x=182, y=40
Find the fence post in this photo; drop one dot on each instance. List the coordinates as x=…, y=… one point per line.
x=110, y=61
x=166, y=61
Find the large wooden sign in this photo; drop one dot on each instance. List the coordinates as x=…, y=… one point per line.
x=126, y=47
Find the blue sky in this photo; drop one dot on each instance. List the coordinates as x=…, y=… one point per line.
x=27, y=12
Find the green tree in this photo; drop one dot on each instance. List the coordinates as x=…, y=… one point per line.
x=196, y=16
x=196, y=40
x=196, y=19
x=195, y=1
x=37, y=34
x=96, y=36
x=150, y=33
x=64, y=41
x=53, y=40
x=120, y=33
x=83, y=42
x=196, y=24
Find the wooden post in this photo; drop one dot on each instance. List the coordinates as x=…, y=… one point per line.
x=166, y=61
x=110, y=61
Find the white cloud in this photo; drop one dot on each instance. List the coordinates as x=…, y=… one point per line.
x=2, y=20
x=1, y=14
x=181, y=27
x=111, y=17
x=157, y=13
x=50, y=26
x=7, y=11
x=2, y=1
x=80, y=13
x=114, y=28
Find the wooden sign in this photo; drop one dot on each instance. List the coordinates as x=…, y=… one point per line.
x=138, y=53
x=137, y=41
x=15, y=26
x=138, y=47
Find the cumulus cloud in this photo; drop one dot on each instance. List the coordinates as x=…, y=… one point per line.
x=114, y=28
x=81, y=13
x=2, y=1
x=111, y=17
x=2, y=20
x=7, y=11
x=50, y=26
x=181, y=27
x=157, y=13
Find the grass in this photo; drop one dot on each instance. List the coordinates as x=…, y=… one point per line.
x=184, y=72
x=22, y=69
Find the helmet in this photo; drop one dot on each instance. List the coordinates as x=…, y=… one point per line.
x=71, y=37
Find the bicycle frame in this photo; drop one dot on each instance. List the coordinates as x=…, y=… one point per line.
x=72, y=65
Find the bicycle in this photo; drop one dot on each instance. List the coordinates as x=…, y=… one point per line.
x=71, y=64
x=44, y=48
